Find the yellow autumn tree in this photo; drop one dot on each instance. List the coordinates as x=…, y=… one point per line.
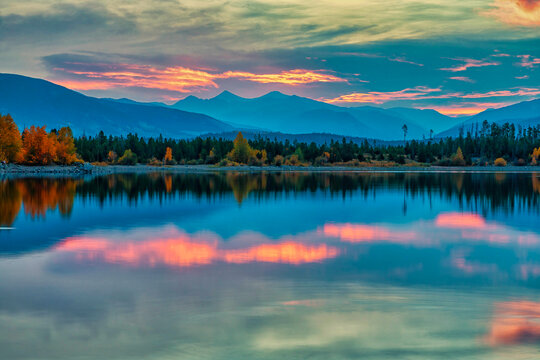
x=535, y=156
x=458, y=159
x=10, y=139
x=241, y=150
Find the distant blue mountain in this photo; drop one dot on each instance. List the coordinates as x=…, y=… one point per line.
x=38, y=102
x=297, y=115
x=524, y=114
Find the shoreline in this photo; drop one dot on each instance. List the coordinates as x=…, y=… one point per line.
x=52, y=170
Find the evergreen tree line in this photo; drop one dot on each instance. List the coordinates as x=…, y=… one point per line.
x=482, y=145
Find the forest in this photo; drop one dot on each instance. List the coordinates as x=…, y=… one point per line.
x=485, y=144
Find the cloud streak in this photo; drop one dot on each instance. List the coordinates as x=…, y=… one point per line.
x=426, y=93
x=177, y=78
x=470, y=63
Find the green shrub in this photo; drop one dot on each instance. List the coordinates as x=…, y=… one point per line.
x=129, y=158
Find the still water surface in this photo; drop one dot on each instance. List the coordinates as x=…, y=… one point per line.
x=271, y=266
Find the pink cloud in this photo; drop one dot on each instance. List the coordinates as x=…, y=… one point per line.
x=470, y=63
x=528, y=61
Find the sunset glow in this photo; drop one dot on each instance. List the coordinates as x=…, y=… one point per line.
x=515, y=322
x=183, y=250
x=460, y=221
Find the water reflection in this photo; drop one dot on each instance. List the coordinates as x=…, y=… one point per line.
x=485, y=193
x=515, y=322
x=271, y=266
x=171, y=247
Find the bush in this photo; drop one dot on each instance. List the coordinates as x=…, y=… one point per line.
x=223, y=163
x=292, y=161
x=129, y=158
x=520, y=162
x=320, y=161
x=154, y=162
x=278, y=160
x=499, y=162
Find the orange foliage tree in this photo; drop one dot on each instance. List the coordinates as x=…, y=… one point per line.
x=10, y=139
x=38, y=147
x=168, y=159
x=65, y=147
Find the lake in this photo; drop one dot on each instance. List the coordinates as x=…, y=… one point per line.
x=271, y=266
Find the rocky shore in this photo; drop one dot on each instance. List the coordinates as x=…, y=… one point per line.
x=22, y=170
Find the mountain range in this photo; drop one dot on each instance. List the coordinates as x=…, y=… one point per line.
x=296, y=115
x=526, y=113
x=38, y=102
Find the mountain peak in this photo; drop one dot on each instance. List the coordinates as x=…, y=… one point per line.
x=226, y=94
x=275, y=94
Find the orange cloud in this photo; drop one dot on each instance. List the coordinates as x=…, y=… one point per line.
x=457, y=110
x=515, y=322
x=291, y=77
x=466, y=108
x=182, y=250
x=516, y=12
x=470, y=63
x=181, y=79
x=354, y=233
x=460, y=221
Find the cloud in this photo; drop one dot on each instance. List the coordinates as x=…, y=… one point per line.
x=528, y=61
x=462, y=78
x=377, y=97
x=467, y=108
x=426, y=93
x=470, y=63
x=525, y=13
x=62, y=21
x=81, y=75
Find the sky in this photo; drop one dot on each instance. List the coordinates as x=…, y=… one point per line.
x=458, y=57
